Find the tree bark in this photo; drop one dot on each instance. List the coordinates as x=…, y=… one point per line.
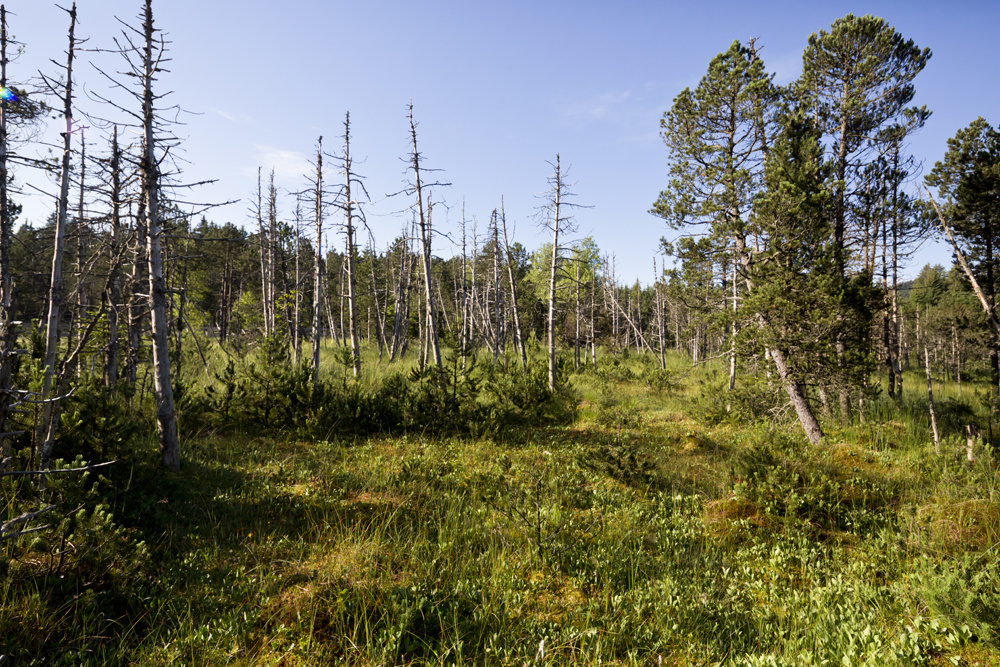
x=930, y=401
x=352, y=305
x=796, y=395
x=47, y=427
x=519, y=335
x=425, y=241
x=8, y=330
x=166, y=417
x=317, y=320
x=551, y=322
x=114, y=279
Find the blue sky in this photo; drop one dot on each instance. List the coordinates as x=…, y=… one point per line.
x=498, y=89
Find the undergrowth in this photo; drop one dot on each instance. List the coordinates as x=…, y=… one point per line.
x=467, y=516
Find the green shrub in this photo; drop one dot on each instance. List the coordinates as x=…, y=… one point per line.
x=516, y=396
x=964, y=591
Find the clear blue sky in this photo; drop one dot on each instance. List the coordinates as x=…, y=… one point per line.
x=498, y=90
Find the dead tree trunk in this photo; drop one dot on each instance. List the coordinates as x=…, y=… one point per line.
x=8, y=330
x=114, y=278
x=576, y=321
x=49, y=424
x=462, y=292
x=296, y=337
x=930, y=401
x=317, y=320
x=261, y=241
x=550, y=328
x=425, y=240
x=76, y=323
x=349, y=257
x=166, y=416
x=518, y=333
x=498, y=343
x=271, y=305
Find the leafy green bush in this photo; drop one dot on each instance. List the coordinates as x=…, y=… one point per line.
x=751, y=401
x=964, y=591
x=100, y=424
x=519, y=396
x=784, y=480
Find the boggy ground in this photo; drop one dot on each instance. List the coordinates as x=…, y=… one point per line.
x=656, y=529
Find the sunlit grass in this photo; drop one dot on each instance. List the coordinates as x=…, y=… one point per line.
x=639, y=534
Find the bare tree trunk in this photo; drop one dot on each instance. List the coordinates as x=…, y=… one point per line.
x=474, y=300
x=551, y=322
x=271, y=305
x=659, y=317
x=350, y=251
x=796, y=395
x=421, y=336
x=593, y=328
x=262, y=244
x=576, y=323
x=76, y=324
x=329, y=312
x=930, y=401
x=137, y=301
x=296, y=337
x=425, y=239
x=114, y=277
x=463, y=294
x=49, y=424
x=518, y=333
x=498, y=346
x=8, y=330
x=401, y=314
x=379, y=314
x=317, y=321
x=166, y=417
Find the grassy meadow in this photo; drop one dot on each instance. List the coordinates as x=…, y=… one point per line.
x=648, y=520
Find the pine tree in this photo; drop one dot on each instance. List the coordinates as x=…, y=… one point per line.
x=968, y=180
x=717, y=136
x=858, y=81
x=791, y=283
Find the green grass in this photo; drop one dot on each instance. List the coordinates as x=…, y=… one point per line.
x=640, y=534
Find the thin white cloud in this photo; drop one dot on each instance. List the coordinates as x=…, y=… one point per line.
x=598, y=108
x=287, y=165
x=231, y=117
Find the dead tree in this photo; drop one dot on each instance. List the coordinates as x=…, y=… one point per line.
x=317, y=320
x=425, y=243
x=518, y=334
x=8, y=328
x=166, y=416
x=114, y=272
x=144, y=52
x=261, y=242
x=50, y=412
x=271, y=305
x=555, y=219
x=351, y=209
x=296, y=338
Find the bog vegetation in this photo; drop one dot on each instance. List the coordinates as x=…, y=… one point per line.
x=252, y=444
